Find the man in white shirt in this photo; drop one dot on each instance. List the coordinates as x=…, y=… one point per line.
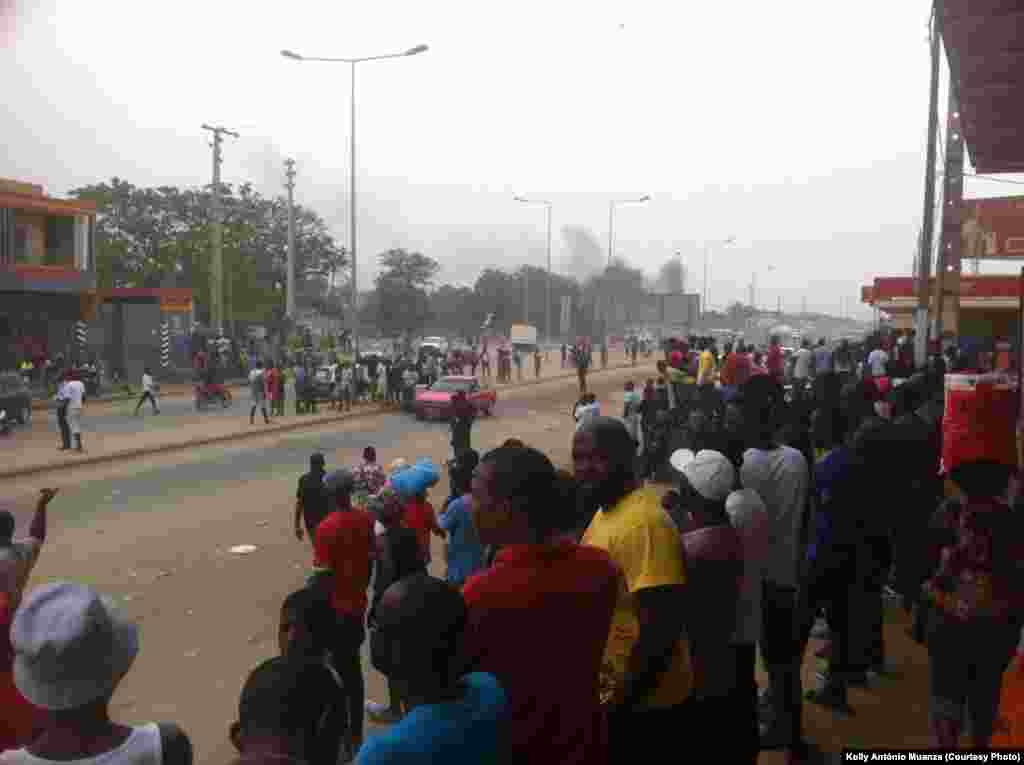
x=75, y=393
x=878, y=359
x=803, y=361
x=62, y=413
x=781, y=477
x=148, y=392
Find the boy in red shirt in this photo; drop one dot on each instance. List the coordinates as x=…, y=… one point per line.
x=345, y=546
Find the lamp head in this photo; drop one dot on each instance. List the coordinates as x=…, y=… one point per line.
x=291, y=54
x=418, y=49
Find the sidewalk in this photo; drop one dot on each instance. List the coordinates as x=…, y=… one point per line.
x=167, y=390
x=35, y=451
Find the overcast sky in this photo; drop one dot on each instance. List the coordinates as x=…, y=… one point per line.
x=796, y=127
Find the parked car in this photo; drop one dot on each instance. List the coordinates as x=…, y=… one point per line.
x=436, y=400
x=325, y=380
x=15, y=397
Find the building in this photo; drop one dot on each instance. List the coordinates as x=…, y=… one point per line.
x=987, y=309
x=47, y=272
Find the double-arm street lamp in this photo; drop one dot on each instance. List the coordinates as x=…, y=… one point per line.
x=352, y=168
x=611, y=219
x=547, y=289
x=611, y=233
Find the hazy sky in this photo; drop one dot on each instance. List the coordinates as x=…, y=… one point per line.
x=796, y=127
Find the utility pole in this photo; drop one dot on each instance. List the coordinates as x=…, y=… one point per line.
x=217, y=234
x=705, y=308
x=924, y=261
x=289, y=174
x=803, y=306
x=948, y=263
x=547, y=287
x=753, y=290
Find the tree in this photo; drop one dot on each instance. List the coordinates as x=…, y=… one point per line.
x=402, y=302
x=454, y=311
x=149, y=237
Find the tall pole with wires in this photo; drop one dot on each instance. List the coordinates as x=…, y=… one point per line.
x=217, y=234
x=924, y=262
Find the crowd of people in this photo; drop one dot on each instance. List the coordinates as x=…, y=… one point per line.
x=585, y=613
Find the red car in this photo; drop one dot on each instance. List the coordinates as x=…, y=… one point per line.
x=436, y=400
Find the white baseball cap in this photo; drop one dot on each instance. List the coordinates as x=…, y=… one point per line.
x=710, y=473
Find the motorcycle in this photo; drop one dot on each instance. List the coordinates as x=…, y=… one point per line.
x=206, y=393
x=5, y=423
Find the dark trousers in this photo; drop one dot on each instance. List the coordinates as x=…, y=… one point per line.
x=780, y=648
x=262, y=406
x=349, y=634
x=582, y=374
x=650, y=726
x=738, y=716
x=830, y=587
x=146, y=396
x=62, y=423
x=966, y=662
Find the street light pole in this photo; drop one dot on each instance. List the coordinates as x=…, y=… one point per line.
x=611, y=228
x=547, y=289
x=352, y=167
x=547, y=286
x=352, y=217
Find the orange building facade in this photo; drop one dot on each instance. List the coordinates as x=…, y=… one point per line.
x=47, y=272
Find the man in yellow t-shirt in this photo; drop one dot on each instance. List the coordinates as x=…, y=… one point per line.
x=706, y=369
x=646, y=678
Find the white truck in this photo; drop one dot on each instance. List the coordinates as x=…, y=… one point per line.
x=522, y=336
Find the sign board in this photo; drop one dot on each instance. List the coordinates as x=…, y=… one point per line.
x=993, y=228
x=680, y=309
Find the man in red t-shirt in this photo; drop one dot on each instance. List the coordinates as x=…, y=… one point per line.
x=742, y=365
x=539, y=585
x=418, y=515
x=776, y=361
x=345, y=545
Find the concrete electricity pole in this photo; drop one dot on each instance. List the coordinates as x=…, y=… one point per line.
x=217, y=234
x=289, y=173
x=924, y=261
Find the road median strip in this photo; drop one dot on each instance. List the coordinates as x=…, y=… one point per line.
x=74, y=461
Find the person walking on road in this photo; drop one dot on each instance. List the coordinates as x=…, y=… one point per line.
x=75, y=392
x=311, y=500
x=463, y=415
x=149, y=389
x=270, y=387
x=258, y=393
x=62, y=413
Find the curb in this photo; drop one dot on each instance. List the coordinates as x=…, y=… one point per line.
x=145, y=451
